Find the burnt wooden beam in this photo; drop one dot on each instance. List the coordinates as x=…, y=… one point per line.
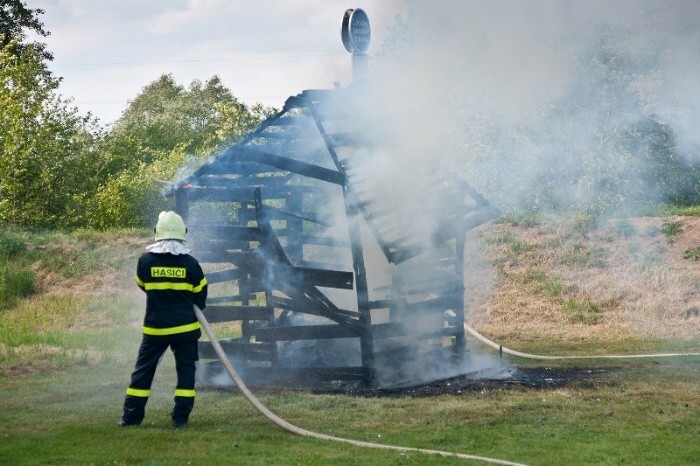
x=302, y=277
x=305, y=307
x=221, y=276
x=321, y=265
x=237, y=347
x=226, y=232
x=229, y=181
x=220, y=313
x=432, y=306
x=281, y=302
x=273, y=251
x=225, y=251
x=404, y=253
x=305, y=332
x=294, y=166
x=366, y=336
x=217, y=194
x=237, y=195
x=222, y=299
x=308, y=216
x=380, y=304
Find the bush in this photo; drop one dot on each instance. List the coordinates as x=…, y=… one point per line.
x=133, y=199
x=15, y=283
x=11, y=245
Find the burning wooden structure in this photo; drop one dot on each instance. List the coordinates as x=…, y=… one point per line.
x=300, y=249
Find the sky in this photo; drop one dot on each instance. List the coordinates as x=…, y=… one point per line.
x=106, y=51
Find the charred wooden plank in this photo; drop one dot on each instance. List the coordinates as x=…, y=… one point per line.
x=294, y=166
x=305, y=332
x=281, y=302
x=308, y=216
x=273, y=251
x=436, y=305
x=221, y=194
x=244, y=194
x=320, y=265
x=223, y=299
x=219, y=313
x=305, y=306
x=225, y=232
x=404, y=253
x=221, y=276
x=237, y=258
x=301, y=277
x=380, y=304
x=237, y=347
x=224, y=180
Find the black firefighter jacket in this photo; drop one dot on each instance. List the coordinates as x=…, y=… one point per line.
x=173, y=284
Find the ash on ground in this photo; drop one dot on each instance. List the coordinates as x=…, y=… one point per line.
x=508, y=378
x=343, y=382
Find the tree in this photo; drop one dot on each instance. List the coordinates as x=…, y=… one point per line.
x=15, y=17
x=165, y=128
x=44, y=144
x=166, y=115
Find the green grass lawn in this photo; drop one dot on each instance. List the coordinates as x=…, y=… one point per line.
x=65, y=362
x=640, y=413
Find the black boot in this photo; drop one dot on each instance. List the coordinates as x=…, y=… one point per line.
x=134, y=411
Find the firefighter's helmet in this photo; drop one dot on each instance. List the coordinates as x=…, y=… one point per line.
x=170, y=226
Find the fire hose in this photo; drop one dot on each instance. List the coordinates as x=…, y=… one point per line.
x=502, y=349
x=307, y=433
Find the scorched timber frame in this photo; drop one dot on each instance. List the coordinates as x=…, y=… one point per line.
x=282, y=222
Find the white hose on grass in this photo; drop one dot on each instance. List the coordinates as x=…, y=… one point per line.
x=503, y=349
x=307, y=433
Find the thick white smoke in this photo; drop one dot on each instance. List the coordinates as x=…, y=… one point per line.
x=542, y=103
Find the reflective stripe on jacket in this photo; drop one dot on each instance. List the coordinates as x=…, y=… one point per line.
x=173, y=285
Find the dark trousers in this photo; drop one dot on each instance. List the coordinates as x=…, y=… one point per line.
x=184, y=347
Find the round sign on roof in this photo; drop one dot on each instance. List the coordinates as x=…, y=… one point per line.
x=355, y=31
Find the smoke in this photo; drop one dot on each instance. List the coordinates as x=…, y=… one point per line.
x=556, y=105
x=552, y=106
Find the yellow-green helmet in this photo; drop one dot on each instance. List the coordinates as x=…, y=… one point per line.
x=170, y=226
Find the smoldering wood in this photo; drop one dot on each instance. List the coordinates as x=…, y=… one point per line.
x=258, y=352
x=219, y=313
x=267, y=214
x=306, y=332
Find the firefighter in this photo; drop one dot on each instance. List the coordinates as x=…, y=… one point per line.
x=173, y=282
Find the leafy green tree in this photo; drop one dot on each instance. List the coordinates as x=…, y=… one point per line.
x=166, y=115
x=166, y=127
x=60, y=169
x=44, y=143
x=15, y=18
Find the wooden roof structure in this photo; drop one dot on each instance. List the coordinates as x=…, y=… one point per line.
x=299, y=248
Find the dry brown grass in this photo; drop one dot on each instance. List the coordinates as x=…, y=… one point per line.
x=617, y=280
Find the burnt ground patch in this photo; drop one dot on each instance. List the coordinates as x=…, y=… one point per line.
x=511, y=378
x=508, y=378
